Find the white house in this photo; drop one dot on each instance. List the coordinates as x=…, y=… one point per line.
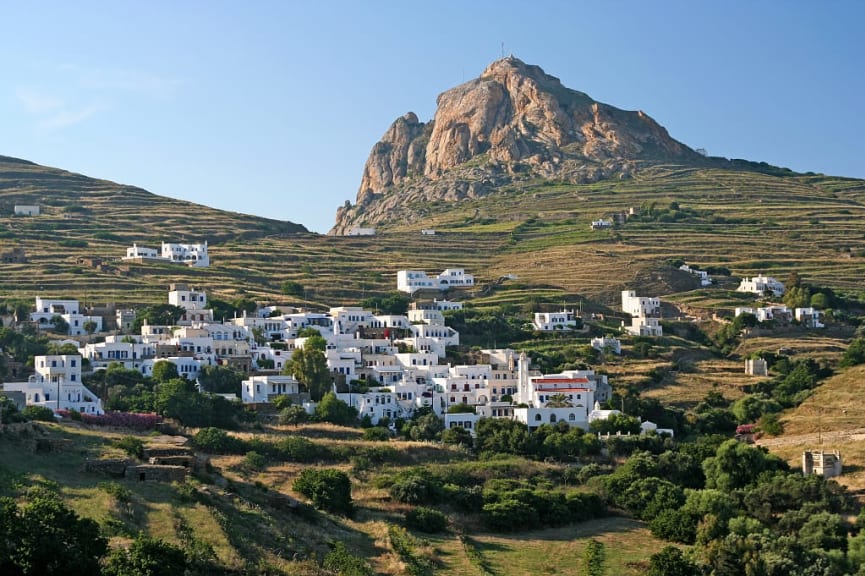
x=810, y=317
x=262, y=389
x=136, y=252
x=411, y=281
x=358, y=231
x=455, y=278
x=766, y=313
x=26, y=210
x=640, y=306
x=57, y=385
x=194, y=303
x=130, y=353
x=705, y=280
x=601, y=224
x=762, y=285
x=69, y=310
x=646, y=313
x=549, y=321
x=607, y=343
x=428, y=232
x=189, y=254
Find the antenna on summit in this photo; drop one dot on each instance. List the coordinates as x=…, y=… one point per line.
x=503, y=49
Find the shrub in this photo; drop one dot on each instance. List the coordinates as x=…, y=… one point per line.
x=417, y=489
x=40, y=413
x=216, y=441
x=510, y=516
x=328, y=489
x=300, y=449
x=426, y=520
x=341, y=561
x=377, y=434
x=254, y=460
x=131, y=445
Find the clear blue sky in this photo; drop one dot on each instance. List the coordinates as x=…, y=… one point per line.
x=271, y=107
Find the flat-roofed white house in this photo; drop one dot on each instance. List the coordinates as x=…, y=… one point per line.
x=263, y=389
x=26, y=210
x=645, y=312
x=549, y=321
x=411, y=281
x=762, y=285
x=455, y=278
x=189, y=254
x=57, y=385
x=360, y=231
x=69, y=310
x=136, y=252
x=607, y=343
x=193, y=302
x=640, y=305
x=810, y=317
x=705, y=280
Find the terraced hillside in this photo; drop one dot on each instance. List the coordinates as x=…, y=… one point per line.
x=745, y=221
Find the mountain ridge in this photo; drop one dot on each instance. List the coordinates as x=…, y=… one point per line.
x=512, y=123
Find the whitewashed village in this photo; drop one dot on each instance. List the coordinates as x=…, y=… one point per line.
x=385, y=366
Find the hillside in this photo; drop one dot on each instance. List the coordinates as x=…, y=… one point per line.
x=539, y=230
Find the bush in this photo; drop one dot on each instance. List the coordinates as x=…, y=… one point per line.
x=417, y=489
x=426, y=520
x=377, y=434
x=39, y=413
x=254, y=461
x=341, y=561
x=131, y=445
x=216, y=441
x=328, y=489
x=510, y=516
x=300, y=449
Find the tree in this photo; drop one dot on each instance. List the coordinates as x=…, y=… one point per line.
x=328, y=489
x=89, y=327
x=616, y=423
x=146, y=556
x=163, y=371
x=30, y=537
x=309, y=366
x=295, y=415
x=292, y=288
x=855, y=353
x=671, y=562
x=219, y=380
x=159, y=315
x=558, y=401
x=593, y=558
x=332, y=409
x=736, y=465
x=457, y=435
x=61, y=326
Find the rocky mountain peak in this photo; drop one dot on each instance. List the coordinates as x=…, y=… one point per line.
x=512, y=122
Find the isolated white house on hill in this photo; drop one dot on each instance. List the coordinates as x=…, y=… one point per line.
x=189, y=254
x=762, y=285
x=410, y=281
x=549, y=321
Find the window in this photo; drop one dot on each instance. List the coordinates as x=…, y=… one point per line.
x=537, y=417
x=572, y=417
